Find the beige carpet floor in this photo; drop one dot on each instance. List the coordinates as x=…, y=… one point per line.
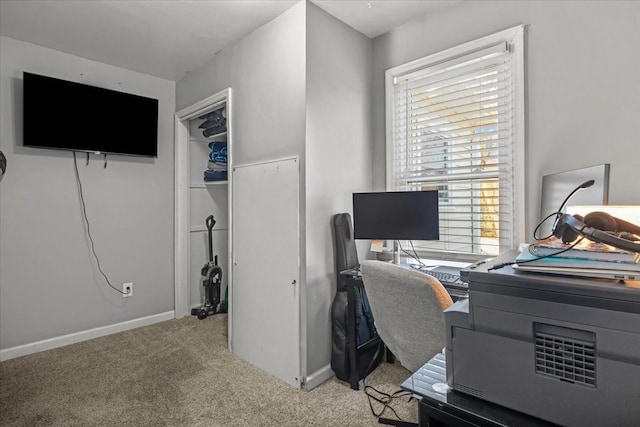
x=176, y=373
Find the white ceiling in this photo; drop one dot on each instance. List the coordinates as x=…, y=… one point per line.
x=169, y=38
x=375, y=17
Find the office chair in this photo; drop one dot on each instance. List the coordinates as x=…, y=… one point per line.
x=408, y=310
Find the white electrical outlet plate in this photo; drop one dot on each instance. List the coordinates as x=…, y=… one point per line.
x=127, y=290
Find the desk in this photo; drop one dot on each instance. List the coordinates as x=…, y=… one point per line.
x=456, y=290
x=452, y=408
x=456, y=293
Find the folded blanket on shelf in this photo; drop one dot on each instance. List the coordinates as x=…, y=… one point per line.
x=214, y=123
x=215, y=175
x=218, y=151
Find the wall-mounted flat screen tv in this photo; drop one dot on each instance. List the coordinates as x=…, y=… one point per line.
x=65, y=115
x=396, y=215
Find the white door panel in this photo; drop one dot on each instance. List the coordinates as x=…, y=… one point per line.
x=266, y=294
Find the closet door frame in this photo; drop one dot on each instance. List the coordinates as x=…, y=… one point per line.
x=182, y=202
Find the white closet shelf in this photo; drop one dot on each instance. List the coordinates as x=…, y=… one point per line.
x=207, y=183
x=201, y=228
x=217, y=137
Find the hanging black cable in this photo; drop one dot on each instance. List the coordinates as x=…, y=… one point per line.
x=86, y=219
x=413, y=256
x=504, y=264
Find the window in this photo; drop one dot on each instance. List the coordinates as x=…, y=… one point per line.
x=455, y=123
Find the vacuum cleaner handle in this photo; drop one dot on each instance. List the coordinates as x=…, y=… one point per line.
x=210, y=222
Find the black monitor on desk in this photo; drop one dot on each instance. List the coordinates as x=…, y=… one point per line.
x=396, y=215
x=402, y=215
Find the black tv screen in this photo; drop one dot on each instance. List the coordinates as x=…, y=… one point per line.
x=401, y=215
x=60, y=114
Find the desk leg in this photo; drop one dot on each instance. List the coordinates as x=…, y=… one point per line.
x=434, y=415
x=390, y=357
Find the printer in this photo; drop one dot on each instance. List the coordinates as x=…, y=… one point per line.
x=560, y=348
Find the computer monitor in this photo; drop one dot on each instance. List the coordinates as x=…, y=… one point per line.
x=557, y=186
x=401, y=215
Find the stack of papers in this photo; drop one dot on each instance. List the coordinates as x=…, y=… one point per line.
x=584, y=249
x=602, y=262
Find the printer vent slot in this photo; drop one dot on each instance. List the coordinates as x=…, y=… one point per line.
x=468, y=390
x=566, y=354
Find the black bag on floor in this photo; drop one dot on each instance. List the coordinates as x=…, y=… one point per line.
x=367, y=359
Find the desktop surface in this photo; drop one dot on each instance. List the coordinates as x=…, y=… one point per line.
x=620, y=296
x=448, y=276
x=441, y=405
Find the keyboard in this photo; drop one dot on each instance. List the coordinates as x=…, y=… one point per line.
x=448, y=276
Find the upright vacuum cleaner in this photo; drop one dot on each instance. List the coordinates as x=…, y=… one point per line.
x=211, y=279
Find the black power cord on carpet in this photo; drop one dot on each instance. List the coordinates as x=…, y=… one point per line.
x=385, y=399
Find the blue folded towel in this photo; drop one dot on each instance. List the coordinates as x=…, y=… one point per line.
x=215, y=175
x=218, y=151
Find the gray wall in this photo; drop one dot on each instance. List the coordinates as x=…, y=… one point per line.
x=49, y=285
x=266, y=72
x=338, y=153
x=582, y=91
x=301, y=86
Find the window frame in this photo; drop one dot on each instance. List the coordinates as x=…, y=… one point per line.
x=514, y=36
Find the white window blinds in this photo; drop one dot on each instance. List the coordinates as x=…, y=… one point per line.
x=452, y=130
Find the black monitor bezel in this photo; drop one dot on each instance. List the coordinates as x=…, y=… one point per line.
x=391, y=215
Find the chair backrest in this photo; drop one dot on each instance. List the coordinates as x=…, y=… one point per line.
x=408, y=307
x=344, y=246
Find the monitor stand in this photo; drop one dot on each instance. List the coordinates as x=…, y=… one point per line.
x=396, y=253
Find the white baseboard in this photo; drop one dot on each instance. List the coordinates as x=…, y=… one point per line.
x=48, y=344
x=318, y=377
